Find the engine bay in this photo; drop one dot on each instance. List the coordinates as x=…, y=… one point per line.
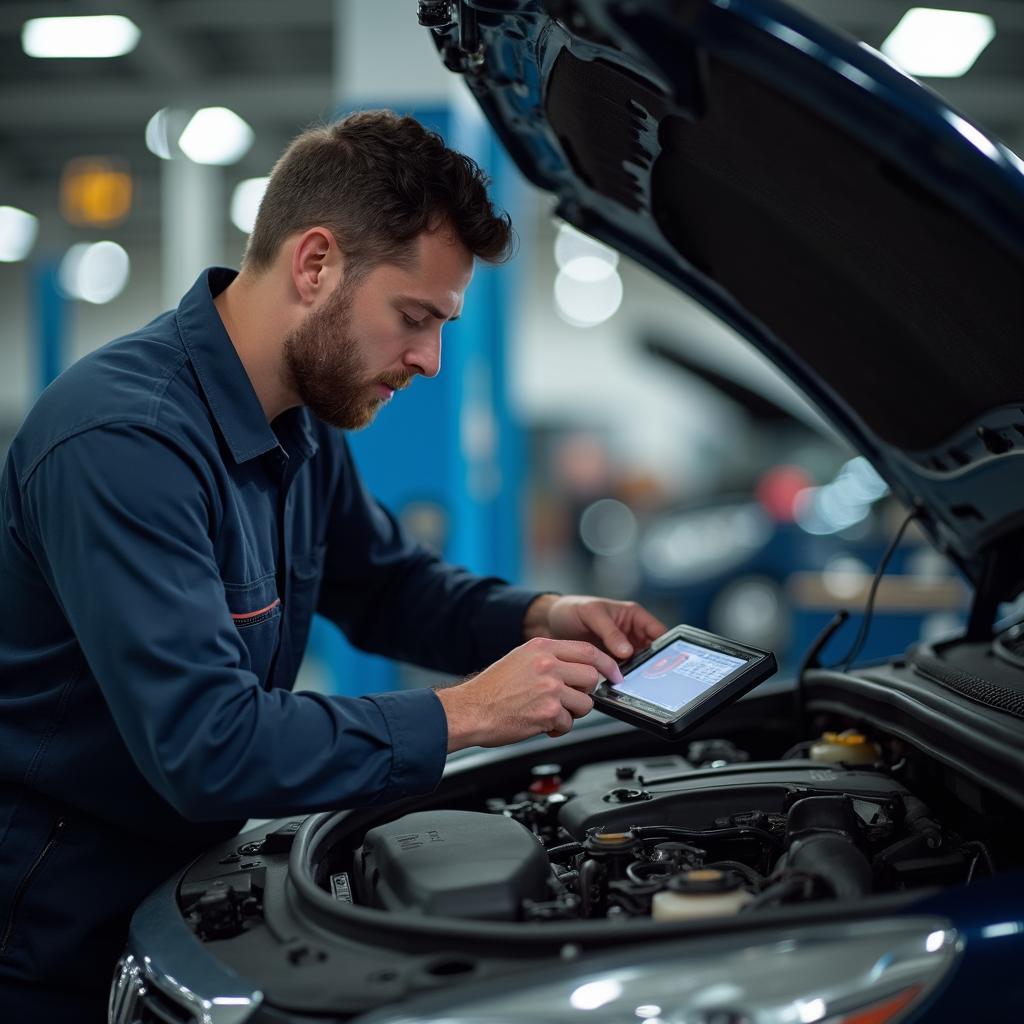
x=669, y=838
x=776, y=819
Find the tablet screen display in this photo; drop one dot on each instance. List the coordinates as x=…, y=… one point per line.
x=677, y=674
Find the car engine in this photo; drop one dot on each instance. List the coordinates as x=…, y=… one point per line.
x=668, y=838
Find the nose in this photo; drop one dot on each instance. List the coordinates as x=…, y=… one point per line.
x=425, y=355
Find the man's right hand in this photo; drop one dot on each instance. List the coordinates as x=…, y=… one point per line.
x=539, y=687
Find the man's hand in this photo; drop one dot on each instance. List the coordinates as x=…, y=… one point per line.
x=539, y=687
x=620, y=627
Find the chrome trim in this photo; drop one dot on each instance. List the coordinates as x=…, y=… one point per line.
x=162, y=954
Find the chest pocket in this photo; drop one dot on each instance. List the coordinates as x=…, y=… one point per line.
x=256, y=612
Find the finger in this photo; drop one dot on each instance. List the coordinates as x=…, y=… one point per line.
x=563, y=723
x=649, y=624
x=587, y=654
x=641, y=626
x=580, y=677
x=597, y=618
x=576, y=703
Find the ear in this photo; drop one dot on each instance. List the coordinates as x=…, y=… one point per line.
x=316, y=264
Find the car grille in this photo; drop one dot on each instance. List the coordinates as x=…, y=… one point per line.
x=133, y=1001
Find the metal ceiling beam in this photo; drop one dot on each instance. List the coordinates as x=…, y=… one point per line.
x=159, y=53
x=241, y=15
x=246, y=15
x=44, y=107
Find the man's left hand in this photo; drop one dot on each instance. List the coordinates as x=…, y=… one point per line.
x=619, y=627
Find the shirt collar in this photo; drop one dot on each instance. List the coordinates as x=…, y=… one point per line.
x=225, y=383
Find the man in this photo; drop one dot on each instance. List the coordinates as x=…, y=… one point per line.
x=175, y=508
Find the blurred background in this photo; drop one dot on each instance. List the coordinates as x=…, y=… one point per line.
x=592, y=429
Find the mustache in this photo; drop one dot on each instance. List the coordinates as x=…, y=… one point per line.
x=395, y=383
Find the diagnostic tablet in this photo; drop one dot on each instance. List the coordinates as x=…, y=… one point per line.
x=685, y=676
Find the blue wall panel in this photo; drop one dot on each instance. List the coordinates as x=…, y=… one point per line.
x=450, y=443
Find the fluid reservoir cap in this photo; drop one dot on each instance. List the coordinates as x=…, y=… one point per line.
x=546, y=779
x=848, y=746
x=703, y=880
x=614, y=845
x=610, y=842
x=847, y=738
x=613, y=838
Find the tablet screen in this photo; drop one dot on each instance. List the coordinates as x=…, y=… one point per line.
x=677, y=674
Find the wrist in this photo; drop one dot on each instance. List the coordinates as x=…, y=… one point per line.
x=463, y=722
x=536, y=620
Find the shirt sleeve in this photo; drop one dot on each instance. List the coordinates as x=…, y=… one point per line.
x=122, y=520
x=392, y=596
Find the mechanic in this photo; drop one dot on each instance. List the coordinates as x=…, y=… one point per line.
x=175, y=508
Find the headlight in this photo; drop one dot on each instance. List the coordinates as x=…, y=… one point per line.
x=844, y=973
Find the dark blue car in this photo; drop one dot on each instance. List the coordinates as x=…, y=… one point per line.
x=845, y=847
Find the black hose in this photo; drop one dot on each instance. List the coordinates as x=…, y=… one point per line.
x=593, y=894
x=755, y=878
x=649, y=832
x=566, y=848
x=980, y=853
x=869, y=604
x=791, y=884
x=637, y=869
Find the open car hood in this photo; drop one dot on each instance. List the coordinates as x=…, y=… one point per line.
x=842, y=217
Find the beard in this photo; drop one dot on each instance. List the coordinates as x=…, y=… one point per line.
x=328, y=371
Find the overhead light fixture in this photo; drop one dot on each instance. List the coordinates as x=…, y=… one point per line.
x=938, y=44
x=216, y=135
x=572, y=245
x=18, y=231
x=103, y=35
x=245, y=202
x=95, y=191
x=587, y=302
x=94, y=272
x=158, y=135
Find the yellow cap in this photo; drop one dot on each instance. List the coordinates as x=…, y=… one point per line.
x=848, y=738
x=612, y=837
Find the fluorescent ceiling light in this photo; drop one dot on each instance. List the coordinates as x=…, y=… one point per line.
x=938, y=44
x=104, y=35
x=215, y=135
x=245, y=202
x=588, y=268
x=158, y=140
x=18, y=231
x=94, y=272
x=571, y=245
x=585, y=303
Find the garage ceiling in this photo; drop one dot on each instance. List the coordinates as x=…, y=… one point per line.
x=271, y=61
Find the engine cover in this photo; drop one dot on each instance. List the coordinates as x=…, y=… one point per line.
x=697, y=798
x=452, y=864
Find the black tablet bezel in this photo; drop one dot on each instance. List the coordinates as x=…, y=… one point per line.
x=759, y=665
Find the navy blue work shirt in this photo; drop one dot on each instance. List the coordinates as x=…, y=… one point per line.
x=162, y=554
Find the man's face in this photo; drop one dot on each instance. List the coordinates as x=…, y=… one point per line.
x=367, y=341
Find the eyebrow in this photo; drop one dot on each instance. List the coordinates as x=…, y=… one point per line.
x=429, y=307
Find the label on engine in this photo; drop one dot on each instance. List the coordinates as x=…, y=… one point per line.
x=340, y=887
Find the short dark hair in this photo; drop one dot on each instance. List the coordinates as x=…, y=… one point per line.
x=377, y=180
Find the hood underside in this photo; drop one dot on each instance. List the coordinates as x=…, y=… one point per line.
x=863, y=235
